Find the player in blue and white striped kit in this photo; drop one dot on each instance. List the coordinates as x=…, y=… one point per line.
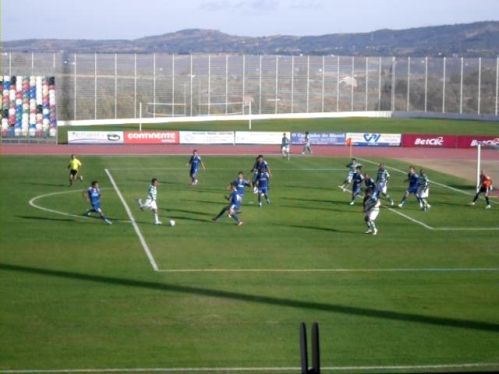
x=150, y=201
x=413, y=179
x=382, y=183
x=262, y=184
x=93, y=196
x=371, y=206
x=195, y=162
x=357, y=180
x=423, y=191
x=352, y=167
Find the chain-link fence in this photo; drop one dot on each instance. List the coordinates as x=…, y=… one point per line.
x=109, y=86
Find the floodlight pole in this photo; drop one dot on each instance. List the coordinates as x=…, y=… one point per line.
x=249, y=115
x=478, y=164
x=140, y=116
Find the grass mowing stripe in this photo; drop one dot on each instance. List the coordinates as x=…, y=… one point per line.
x=134, y=224
x=436, y=367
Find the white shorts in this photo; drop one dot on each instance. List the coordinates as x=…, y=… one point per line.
x=285, y=149
x=372, y=214
x=383, y=189
x=150, y=204
x=423, y=194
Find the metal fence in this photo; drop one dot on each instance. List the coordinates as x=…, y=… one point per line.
x=111, y=86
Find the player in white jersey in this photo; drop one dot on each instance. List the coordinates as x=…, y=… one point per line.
x=371, y=206
x=352, y=167
x=150, y=201
x=423, y=191
x=285, y=146
x=382, y=177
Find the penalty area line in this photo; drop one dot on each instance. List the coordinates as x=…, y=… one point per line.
x=142, y=240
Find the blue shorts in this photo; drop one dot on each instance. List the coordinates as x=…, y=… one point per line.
x=194, y=172
x=96, y=207
x=356, y=190
x=412, y=189
x=263, y=190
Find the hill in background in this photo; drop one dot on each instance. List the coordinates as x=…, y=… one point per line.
x=468, y=40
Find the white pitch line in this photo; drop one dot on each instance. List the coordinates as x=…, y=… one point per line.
x=411, y=219
x=381, y=270
x=477, y=365
x=225, y=169
x=133, y=222
x=32, y=203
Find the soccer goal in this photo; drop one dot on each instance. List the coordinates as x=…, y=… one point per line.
x=166, y=109
x=484, y=146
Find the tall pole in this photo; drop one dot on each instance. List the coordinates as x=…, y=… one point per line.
x=408, y=104
x=322, y=88
x=497, y=84
x=249, y=115
x=380, y=61
x=308, y=82
x=154, y=85
x=209, y=85
x=461, y=87
x=367, y=83
x=292, y=84
x=260, y=87
x=426, y=84
x=479, y=84
x=478, y=164
x=393, y=85
x=276, y=82
x=173, y=85
x=351, y=91
x=227, y=85
x=95, y=85
x=75, y=90
x=135, y=85
x=115, y=86
x=444, y=78
x=190, y=88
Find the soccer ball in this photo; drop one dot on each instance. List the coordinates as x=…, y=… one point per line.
x=172, y=223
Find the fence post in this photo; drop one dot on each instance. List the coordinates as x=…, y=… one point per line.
x=95, y=85
x=244, y=82
x=408, y=104
x=260, y=87
x=32, y=63
x=367, y=83
x=135, y=85
x=479, y=84
x=209, y=85
x=497, y=83
x=393, y=85
x=461, y=87
x=276, y=83
x=75, y=91
x=308, y=82
x=190, y=88
x=292, y=84
x=380, y=62
x=115, y=86
x=444, y=78
x=353, y=79
x=337, y=83
x=426, y=84
x=322, y=88
x=173, y=84
x=154, y=85
x=227, y=85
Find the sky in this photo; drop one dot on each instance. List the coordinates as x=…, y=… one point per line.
x=126, y=19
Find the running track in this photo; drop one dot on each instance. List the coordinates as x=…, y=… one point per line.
x=331, y=151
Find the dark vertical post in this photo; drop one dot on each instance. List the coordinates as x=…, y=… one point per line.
x=316, y=356
x=303, y=348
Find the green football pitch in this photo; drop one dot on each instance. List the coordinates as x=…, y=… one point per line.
x=214, y=297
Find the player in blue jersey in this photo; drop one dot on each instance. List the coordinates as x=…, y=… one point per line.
x=412, y=179
x=423, y=191
x=352, y=167
x=260, y=166
x=262, y=184
x=382, y=177
x=195, y=162
x=151, y=200
x=234, y=206
x=241, y=183
x=357, y=180
x=371, y=206
x=93, y=196
x=369, y=182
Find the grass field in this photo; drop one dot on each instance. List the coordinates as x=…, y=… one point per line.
x=79, y=294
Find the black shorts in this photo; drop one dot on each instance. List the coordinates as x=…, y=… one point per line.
x=73, y=172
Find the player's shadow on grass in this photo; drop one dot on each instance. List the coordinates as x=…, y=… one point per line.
x=259, y=299
x=50, y=219
x=174, y=210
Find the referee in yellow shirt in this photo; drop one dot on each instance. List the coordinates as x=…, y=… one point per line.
x=74, y=169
